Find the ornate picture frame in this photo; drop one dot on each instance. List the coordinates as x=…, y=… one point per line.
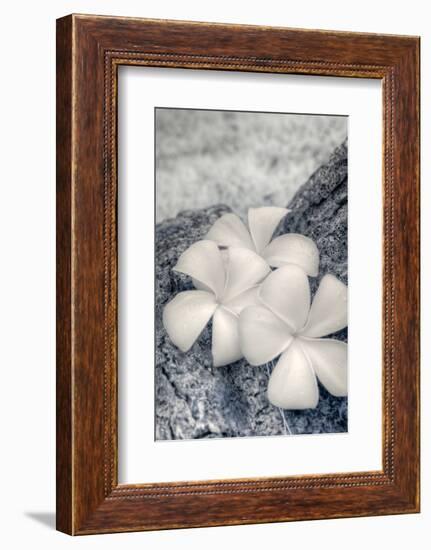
x=89, y=51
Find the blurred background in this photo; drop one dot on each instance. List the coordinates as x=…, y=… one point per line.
x=240, y=159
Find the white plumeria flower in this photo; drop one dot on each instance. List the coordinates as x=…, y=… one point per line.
x=291, y=248
x=286, y=325
x=226, y=282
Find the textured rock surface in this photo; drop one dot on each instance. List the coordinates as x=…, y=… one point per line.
x=319, y=210
x=196, y=400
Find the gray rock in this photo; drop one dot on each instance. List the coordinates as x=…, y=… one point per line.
x=194, y=399
x=319, y=211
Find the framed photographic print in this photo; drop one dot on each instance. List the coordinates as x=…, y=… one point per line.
x=237, y=274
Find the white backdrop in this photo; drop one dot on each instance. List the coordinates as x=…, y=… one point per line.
x=27, y=311
x=141, y=458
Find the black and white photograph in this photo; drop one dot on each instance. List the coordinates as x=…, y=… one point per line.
x=251, y=274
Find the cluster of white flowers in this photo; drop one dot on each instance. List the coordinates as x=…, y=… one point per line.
x=262, y=313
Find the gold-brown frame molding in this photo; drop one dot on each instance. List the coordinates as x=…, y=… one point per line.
x=89, y=51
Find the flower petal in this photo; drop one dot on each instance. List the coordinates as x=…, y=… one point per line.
x=185, y=317
x=248, y=298
x=293, y=248
x=263, y=222
x=200, y=286
x=286, y=292
x=328, y=313
x=292, y=384
x=229, y=230
x=204, y=263
x=262, y=335
x=245, y=269
x=225, y=338
x=329, y=361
